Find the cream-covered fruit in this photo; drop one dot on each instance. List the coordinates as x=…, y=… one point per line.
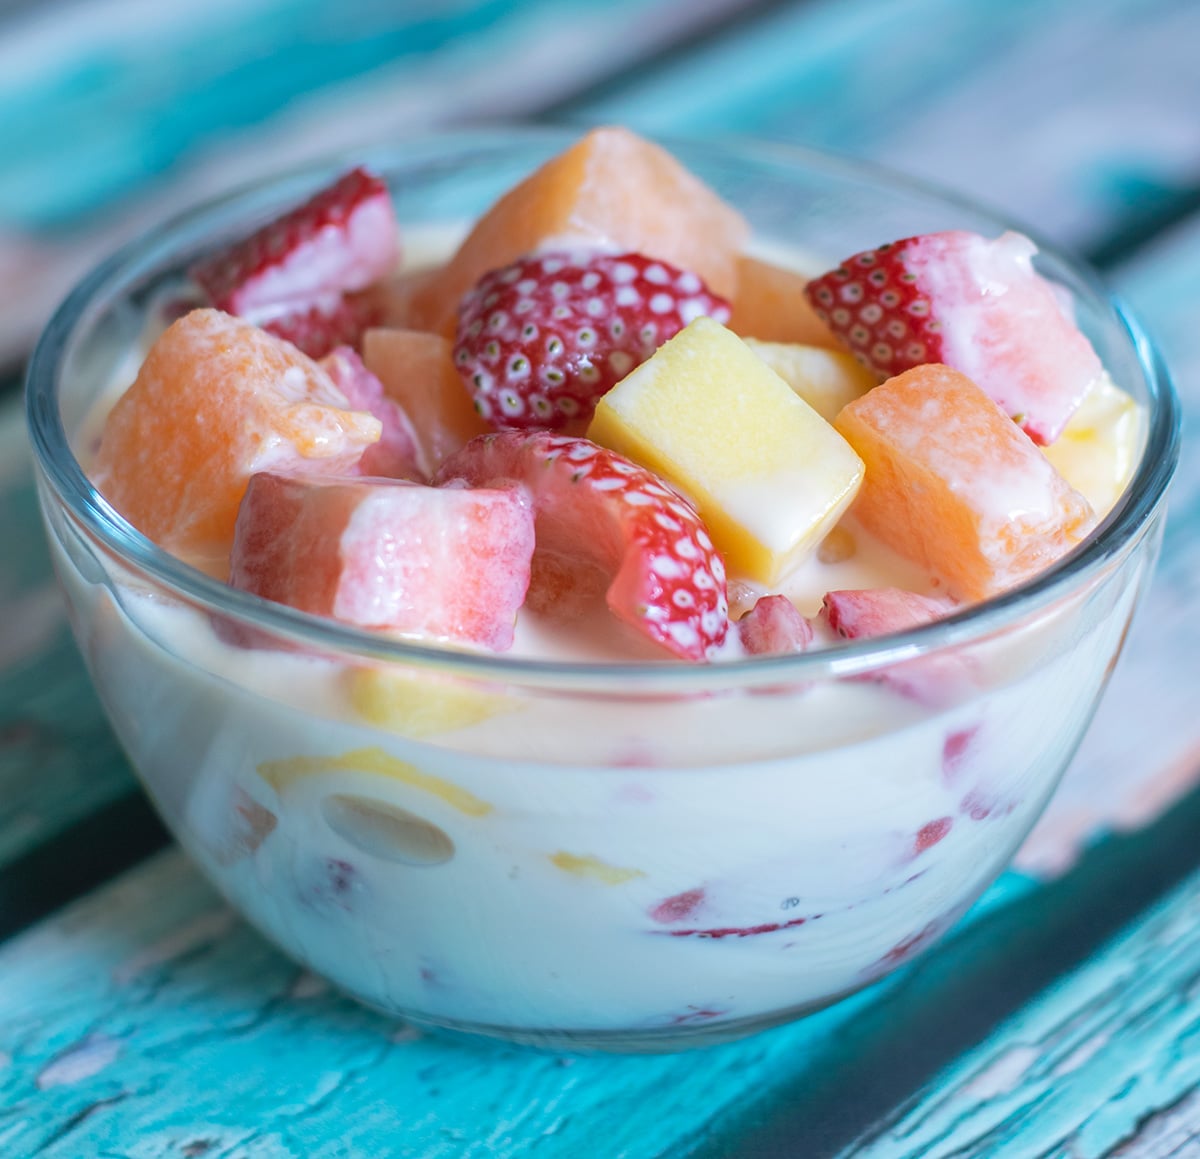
x=517, y=767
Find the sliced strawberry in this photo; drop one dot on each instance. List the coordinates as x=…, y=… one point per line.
x=934, y=680
x=342, y=239
x=773, y=627
x=597, y=510
x=975, y=304
x=880, y=611
x=396, y=455
x=446, y=564
x=541, y=340
x=322, y=325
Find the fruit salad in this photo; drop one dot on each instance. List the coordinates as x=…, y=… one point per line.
x=609, y=425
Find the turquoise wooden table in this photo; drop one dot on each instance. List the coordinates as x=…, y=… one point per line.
x=140, y=1018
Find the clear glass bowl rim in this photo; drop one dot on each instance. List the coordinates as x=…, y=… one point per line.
x=91, y=512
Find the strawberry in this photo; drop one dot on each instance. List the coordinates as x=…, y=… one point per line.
x=447, y=564
x=396, y=455
x=325, y=323
x=297, y=275
x=972, y=303
x=773, y=627
x=542, y=339
x=933, y=680
x=597, y=510
x=880, y=611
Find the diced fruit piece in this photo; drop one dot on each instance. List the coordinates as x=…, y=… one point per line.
x=417, y=372
x=679, y=907
x=448, y=564
x=542, y=339
x=826, y=379
x=216, y=401
x=595, y=509
x=1098, y=449
x=611, y=191
x=421, y=704
x=857, y=615
x=396, y=455
x=773, y=627
x=975, y=304
x=344, y=238
x=769, y=475
x=955, y=487
x=320, y=326
x=938, y=679
x=771, y=306
x=410, y=301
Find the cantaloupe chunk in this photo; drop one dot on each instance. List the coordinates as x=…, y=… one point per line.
x=417, y=371
x=955, y=486
x=216, y=401
x=769, y=475
x=611, y=189
x=1098, y=449
x=412, y=300
x=826, y=379
x=770, y=305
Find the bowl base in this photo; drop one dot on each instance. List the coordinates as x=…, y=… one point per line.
x=651, y=1040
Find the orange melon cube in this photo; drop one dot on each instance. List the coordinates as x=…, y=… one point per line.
x=412, y=301
x=955, y=486
x=611, y=189
x=418, y=372
x=770, y=305
x=216, y=401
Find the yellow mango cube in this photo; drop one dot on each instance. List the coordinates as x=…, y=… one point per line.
x=826, y=379
x=769, y=475
x=1099, y=447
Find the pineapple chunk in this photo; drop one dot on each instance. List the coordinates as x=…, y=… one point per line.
x=826, y=379
x=1098, y=449
x=420, y=705
x=769, y=475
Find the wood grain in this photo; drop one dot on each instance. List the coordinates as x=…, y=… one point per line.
x=1104, y=1064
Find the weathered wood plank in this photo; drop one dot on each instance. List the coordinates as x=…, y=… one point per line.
x=1077, y=117
x=58, y=759
x=101, y=137
x=1105, y=1063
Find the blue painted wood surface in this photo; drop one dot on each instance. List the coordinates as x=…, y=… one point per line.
x=117, y=113
x=1104, y=1064
x=148, y=1022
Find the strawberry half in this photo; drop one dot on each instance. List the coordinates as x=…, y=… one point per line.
x=972, y=303
x=542, y=339
x=297, y=275
x=597, y=510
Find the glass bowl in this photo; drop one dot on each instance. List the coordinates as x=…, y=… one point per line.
x=611, y=856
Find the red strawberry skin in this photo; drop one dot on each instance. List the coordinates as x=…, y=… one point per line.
x=597, y=510
x=321, y=326
x=342, y=239
x=541, y=340
x=972, y=303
